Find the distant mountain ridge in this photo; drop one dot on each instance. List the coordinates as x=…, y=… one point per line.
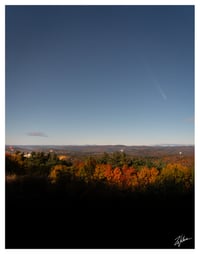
x=155, y=150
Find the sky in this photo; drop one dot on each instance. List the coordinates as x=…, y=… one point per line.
x=99, y=75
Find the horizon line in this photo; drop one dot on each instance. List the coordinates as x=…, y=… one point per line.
x=100, y=145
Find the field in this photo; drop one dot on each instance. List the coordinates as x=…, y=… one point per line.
x=100, y=197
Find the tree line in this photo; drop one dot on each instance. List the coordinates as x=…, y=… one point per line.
x=116, y=170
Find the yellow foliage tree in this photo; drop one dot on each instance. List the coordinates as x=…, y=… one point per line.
x=177, y=174
x=55, y=171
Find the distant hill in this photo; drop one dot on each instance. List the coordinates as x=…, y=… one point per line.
x=156, y=150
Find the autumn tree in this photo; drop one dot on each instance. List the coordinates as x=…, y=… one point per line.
x=57, y=172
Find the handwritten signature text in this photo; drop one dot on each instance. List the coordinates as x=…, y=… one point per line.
x=180, y=239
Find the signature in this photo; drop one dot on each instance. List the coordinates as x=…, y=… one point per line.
x=180, y=239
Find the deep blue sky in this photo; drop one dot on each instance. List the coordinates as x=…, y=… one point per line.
x=100, y=75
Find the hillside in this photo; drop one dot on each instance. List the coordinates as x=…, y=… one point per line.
x=99, y=149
